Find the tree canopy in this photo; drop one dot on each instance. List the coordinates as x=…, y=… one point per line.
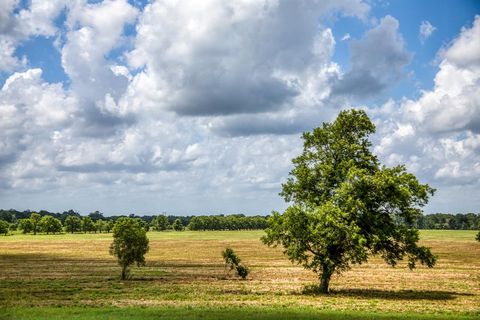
x=345, y=206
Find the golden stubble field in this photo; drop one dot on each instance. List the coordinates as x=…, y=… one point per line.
x=185, y=269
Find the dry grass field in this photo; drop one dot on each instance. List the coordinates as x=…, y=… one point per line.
x=185, y=271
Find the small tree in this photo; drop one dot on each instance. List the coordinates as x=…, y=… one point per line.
x=73, y=224
x=101, y=225
x=35, y=220
x=13, y=227
x=4, y=226
x=25, y=225
x=87, y=224
x=160, y=223
x=130, y=244
x=345, y=206
x=178, y=225
x=109, y=225
x=50, y=224
x=232, y=261
x=478, y=236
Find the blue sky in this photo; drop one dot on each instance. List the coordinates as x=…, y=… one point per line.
x=197, y=107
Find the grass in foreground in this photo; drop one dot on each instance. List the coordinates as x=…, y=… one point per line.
x=184, y=278
x=207, y=314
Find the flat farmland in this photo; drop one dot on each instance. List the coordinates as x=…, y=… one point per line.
x=73, y=276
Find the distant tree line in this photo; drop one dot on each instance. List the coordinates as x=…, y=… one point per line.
x=231, y=222
x=72, y=222
x=459, y=221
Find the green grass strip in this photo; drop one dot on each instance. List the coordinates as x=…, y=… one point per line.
x=206, y=313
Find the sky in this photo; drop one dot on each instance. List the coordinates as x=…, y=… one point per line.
x=197, y=107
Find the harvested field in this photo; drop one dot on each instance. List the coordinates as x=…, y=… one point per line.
x=185, y=270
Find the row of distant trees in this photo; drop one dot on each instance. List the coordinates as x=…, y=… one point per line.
x=469, y=221
x=71, y=221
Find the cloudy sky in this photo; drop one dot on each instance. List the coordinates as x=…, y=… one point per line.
x=197, y=106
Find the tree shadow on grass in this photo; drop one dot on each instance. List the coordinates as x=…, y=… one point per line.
x=388, y=294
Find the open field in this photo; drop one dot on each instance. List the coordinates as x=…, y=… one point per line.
x=184, y=278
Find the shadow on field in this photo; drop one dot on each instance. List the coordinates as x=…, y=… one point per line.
x=398, y=295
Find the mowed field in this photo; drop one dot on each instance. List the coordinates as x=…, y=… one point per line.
x=74, y=277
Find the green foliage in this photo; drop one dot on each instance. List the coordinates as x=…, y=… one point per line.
x=35, y=220
x=242, y=271
x=50, y=224
x=100, y=225
x=4, y=226
x=25, y=225
x=130, y=244
x=232, y=262
x=345, y=205
x=478, y=236
x=109, y=226
x=144, y=224
x=13, y=227
x=160, y=223
x=73, y=224
x=87, y=224
x=178, y=225
x=229, y=222
x=468, y=221
x=231, y=258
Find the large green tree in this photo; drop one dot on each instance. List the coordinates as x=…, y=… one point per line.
x=130, y=244
x=345, y=206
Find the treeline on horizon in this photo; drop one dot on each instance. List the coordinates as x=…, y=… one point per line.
x=96, y=221
x=458, y=221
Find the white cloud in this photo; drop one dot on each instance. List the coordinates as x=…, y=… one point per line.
x=220, y=58
x=438, y=134
x=35, y=20
x=377, y=61
x=346, y=37
x=425, y=30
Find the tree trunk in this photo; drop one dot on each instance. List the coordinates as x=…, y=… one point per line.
x=124, y=272
x=325, y=280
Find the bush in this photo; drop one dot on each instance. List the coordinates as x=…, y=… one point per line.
x=232, y=262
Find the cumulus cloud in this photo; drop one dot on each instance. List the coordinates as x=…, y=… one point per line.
x=425, y=30
x=221, y=58
x=97, y=82
x=438, y=134
x=15, y=27
x=377, y=61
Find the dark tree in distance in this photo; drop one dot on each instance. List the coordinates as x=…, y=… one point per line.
x=4, y=226
x=35, y=219
x=25, y=225
x=87, y=224
x=73, y=224
x=345, y=206
x=130, y=244
x=160, y=223
x=177, y=225
x=50, y=224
